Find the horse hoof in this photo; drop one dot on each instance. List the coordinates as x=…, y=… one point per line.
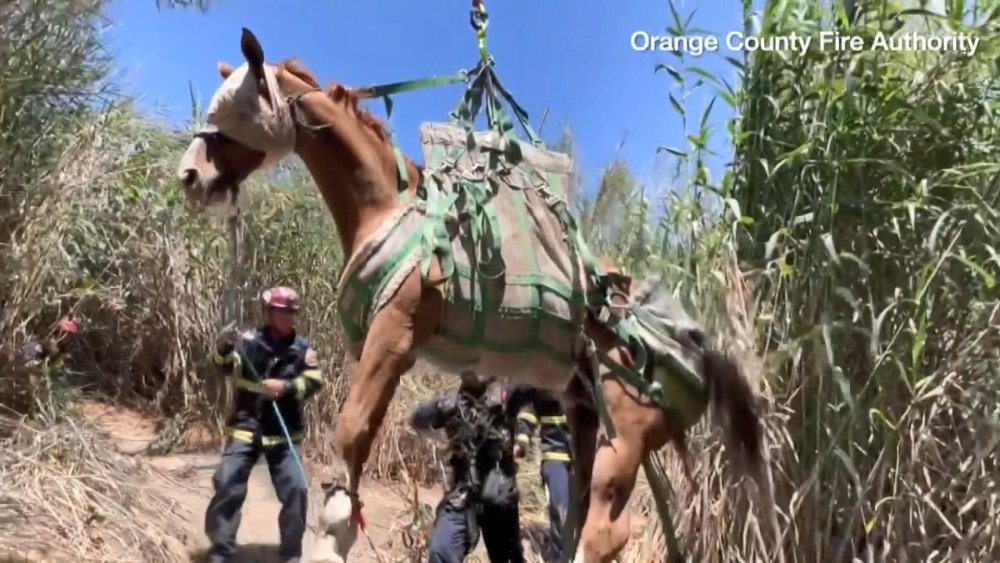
x=338, y=527
x=338, y=509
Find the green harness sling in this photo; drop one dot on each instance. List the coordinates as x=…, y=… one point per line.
x=466, y=173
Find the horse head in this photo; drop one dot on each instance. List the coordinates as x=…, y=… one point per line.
x=249, y=126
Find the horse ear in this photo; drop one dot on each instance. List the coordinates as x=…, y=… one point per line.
x=225, y=70
x=253, y=53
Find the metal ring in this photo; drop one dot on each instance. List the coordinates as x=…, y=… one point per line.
x=478, y=20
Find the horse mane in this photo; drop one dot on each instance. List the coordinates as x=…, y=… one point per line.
x=339, y=93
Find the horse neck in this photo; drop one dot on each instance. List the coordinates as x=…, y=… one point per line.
x=355, y=174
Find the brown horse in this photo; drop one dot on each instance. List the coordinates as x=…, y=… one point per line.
x=264, y=112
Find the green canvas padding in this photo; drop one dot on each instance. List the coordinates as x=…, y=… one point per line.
x=521, y=279
x=512, y=266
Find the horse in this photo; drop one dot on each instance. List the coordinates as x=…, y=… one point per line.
x=264, y=112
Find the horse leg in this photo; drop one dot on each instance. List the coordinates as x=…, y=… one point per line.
x=640, y=427
x=386, y=356
x=584, y=424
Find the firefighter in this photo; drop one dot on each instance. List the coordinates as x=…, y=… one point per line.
x=538, y=409
x=483, y=482
x=33, y=351
x=271, y=363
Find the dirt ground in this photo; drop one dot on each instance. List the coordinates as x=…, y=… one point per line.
x=386, y=509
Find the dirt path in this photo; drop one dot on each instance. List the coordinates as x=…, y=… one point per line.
x=385, y=509
x=258, y=534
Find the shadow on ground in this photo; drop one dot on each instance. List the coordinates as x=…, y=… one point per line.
x=252, y=553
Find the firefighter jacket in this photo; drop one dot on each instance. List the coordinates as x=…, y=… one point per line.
x=539, y=409
x=258, y=356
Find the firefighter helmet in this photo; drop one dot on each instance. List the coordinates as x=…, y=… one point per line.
x=280, y=297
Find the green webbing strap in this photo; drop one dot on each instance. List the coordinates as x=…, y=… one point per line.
x=486, y=84
x=384, y=90
x=483, y=221
x=658, y=485
x=657, y=482
x=435, y=234
x=519, y=112
x=521, y=115
x=497, y=117
x=479, y=20
x=469, y=104
x=402, y=177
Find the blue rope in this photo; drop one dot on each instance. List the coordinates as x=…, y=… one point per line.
x=291, y=445
x=281, y=420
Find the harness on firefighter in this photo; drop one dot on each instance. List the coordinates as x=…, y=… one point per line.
x=482, y=429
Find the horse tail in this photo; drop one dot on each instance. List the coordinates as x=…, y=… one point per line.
x=735, y=405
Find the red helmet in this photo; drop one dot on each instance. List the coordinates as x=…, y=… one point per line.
x=67, y=325
x=281, y=297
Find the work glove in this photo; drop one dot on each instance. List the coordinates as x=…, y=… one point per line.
x=225, y=342
x=32, y=351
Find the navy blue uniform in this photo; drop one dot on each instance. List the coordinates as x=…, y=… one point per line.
x=539, y=409
x=483, y=476
x=254, y=430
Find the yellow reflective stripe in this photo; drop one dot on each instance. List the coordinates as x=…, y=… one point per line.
x=247, y=436
x=251, y=386
x=300, y=387
x=560, y=419
x=527, y=417
x=275, y=440
x=313, y=374
x=523, y=438
x=555, y=456
x=241, y=435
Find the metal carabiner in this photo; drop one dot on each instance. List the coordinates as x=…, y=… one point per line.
x=478, y=19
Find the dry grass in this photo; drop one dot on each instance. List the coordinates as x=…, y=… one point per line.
x=68, y=494
x=865, y=218
x=862, y=205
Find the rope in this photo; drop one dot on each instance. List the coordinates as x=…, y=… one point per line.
x=302, y=472
x=234, y=313
x=233, y=308
x=288, y=438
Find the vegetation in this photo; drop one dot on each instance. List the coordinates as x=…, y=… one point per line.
x=847, y=254
x=862, y=204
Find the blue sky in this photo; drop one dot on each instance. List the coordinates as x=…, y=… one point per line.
x=572, y=57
